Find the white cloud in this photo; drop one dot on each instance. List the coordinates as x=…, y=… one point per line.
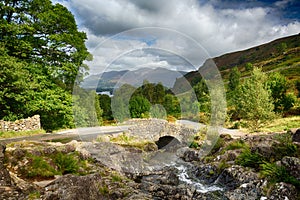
x=218, y=30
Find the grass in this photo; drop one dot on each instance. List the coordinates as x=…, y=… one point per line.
x=282, y=124
x=11, y=134
x=129, y=141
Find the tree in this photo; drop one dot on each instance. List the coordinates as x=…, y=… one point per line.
x=278, y=85
x=36, y=31
x=254, y=101
x=41, y=53
x=105, y=104
x=139, y=107
x=234, y=78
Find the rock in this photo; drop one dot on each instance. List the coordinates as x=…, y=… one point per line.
x=284, y=191
x=150, y=147
x=207, y=173
x=296, y=136
x=5, y=179
x=188, y=154
x=292, y=165
x=2, y=151
x=234, y=176
x=89, y=187
x=265, y=150
x=246, y=191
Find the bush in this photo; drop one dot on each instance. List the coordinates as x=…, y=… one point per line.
x=249, y=159
x=66, y=163
x=275, y=174
x=285, y=146
x=236, y=145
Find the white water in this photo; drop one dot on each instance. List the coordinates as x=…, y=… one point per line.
x=184, y=177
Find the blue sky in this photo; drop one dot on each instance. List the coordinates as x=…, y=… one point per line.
x=218, y=26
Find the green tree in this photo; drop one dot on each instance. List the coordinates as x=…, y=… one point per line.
x=234, y=78
x=254, y=101
x=41, y=53
x=105, y=104
x=36, y=31
x=279, y=86
x=172, y=105
x=139, y=107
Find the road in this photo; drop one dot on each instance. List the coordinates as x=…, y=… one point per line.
x=91, y=133
x=80, y=134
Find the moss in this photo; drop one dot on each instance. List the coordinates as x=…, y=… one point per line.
x=34, y=195
x=103, y=189
x=38, y=167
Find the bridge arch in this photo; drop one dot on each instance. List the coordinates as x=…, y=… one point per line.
x=167, y=142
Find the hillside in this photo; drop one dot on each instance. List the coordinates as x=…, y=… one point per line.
x=108, y=80
x=282, y=54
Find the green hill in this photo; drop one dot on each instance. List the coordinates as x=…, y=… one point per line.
x=279, y=55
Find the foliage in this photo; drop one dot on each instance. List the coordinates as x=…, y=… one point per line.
x=105, y=105
x=284, y=146
x=253, y=100
x=47, y=35
x=234, y=79
x=249, y=159
x=248, y=66
x=238, y=144
x=278, y=85
x=86, y=108
x=66, y=163
x=139, y=107
x=38, y=167
x=276, y=174
x=41, y=53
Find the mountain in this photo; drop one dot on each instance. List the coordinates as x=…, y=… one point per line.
x=109, y=80
x=282, y=55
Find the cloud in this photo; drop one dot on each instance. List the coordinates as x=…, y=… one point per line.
x=218, y=26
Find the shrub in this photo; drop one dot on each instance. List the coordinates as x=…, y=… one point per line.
x=285, y=146
x=249, y=159
x=236, y=145
x=275, y=174
x=66, y=163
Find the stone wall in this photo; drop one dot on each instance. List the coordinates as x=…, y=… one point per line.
x=29, y=124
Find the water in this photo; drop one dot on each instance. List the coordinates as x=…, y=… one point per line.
x=185, y=178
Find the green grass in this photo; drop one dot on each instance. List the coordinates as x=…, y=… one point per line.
x=38, y=167
x=11, y=134
x=282, y=124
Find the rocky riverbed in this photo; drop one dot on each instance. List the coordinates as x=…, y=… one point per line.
x=251, y=167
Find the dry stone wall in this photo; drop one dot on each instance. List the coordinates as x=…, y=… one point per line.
x=29, y=124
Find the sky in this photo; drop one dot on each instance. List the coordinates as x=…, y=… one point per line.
x=177, y=34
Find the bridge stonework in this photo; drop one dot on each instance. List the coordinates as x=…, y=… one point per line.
x=153, y=129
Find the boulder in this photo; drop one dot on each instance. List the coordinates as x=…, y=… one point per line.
x=292, y=165
x=284, y=191
x=246, y=191
x=296, y=136
x=234, y=176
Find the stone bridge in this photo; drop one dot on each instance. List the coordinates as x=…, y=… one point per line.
x=161, y=131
